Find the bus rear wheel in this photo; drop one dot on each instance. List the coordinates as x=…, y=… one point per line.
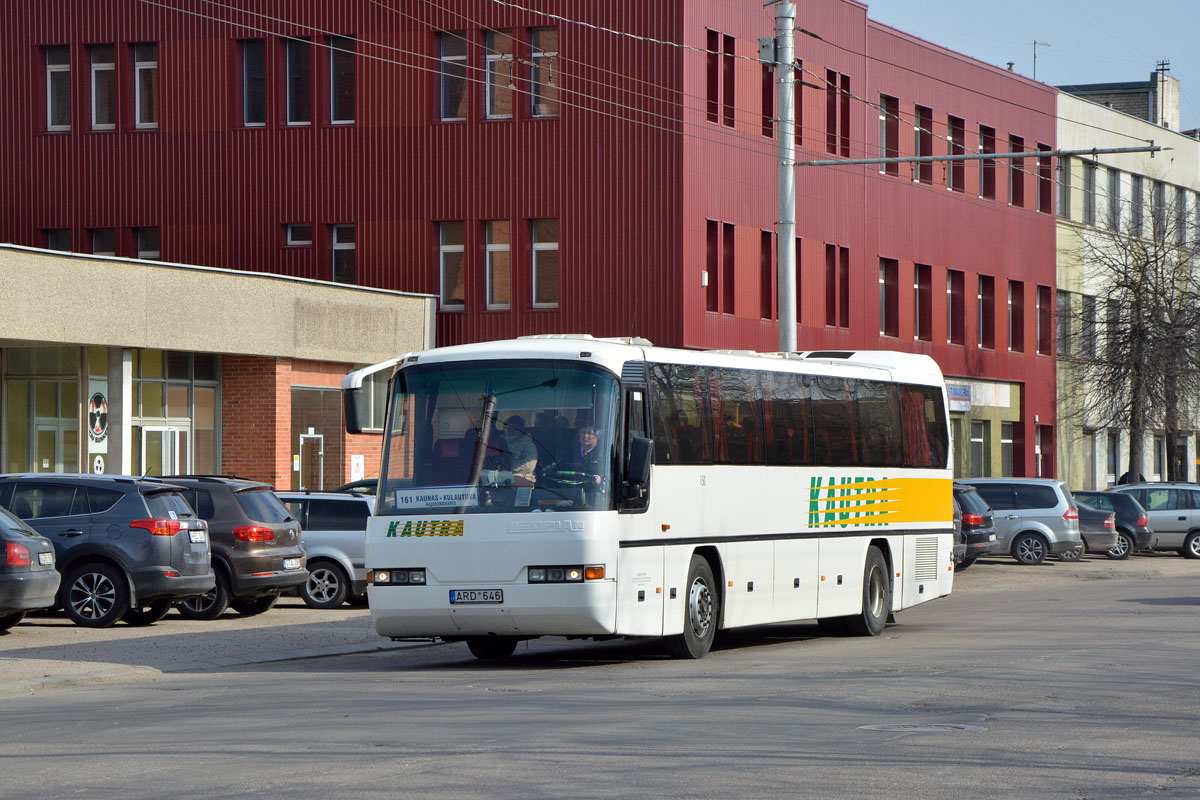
x=492, y=648
x=701, y=615
x=877, y=597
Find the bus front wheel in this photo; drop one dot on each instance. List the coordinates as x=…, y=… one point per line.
x=701, y=615
x=877, y=597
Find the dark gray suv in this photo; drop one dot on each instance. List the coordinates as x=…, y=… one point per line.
x=127, y=548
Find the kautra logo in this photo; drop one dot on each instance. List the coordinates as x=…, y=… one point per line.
x=434, y=527
x=850, y=501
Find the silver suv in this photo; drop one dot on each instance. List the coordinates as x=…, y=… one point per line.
x=1035, y=517
x=334, y=526
x=1173, y=511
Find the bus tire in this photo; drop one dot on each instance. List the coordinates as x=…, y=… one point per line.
x=701, y=613
x=877, y=597
x=491, y=648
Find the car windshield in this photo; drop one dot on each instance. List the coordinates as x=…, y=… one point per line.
x=261, y=505
x=512, y=436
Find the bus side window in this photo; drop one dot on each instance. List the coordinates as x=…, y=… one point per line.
x=682, y=433
x=835, y=430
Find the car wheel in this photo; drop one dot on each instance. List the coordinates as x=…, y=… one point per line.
x=1029, y=548
x=1191, y=545
x=966, y=562
x=358, y=600
x=249, y=607
x=1122, y=548
x=1071, y=555
x=9, y=620
x=492, y=648
x=327, y=585
x=701, y=613
x=95, y=595
x=209, y=605
x=877, y=597
x=148, y=615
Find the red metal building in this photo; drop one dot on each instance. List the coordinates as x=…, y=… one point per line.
x=545, y=175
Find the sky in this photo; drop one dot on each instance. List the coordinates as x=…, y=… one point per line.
x=1088, y=41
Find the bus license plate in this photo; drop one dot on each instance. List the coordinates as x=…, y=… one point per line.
x=458, y=596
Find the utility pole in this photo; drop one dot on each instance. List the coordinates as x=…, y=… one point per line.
x=783, y=52
x=1036, y=45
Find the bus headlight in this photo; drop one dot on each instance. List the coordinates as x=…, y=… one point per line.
x=397, y=577
x=566, y=574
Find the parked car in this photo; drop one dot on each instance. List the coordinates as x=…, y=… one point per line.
x=1034, y=517
x=127, y=547
x=335, y=535
x=1133, y=525
x=28, y=579
x=364, y=486
x=256, y=549
x=974, y=519
x=1098, y=529
x=1173, y=511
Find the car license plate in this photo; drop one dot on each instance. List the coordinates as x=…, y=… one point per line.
x=991, y=537
x=45, y=559
x=291, y=563
x=198, y=537
x=458, y=596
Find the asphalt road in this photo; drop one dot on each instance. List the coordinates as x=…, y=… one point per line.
x=1070, y=680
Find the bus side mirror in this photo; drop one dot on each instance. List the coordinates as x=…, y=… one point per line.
x=641, y=453
x=355, y=402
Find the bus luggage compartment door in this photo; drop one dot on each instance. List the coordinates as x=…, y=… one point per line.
x=640, y=591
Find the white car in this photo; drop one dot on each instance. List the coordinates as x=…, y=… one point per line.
x=335, y=531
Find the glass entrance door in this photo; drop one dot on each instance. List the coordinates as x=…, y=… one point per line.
x=164, y=451
x=56, y=446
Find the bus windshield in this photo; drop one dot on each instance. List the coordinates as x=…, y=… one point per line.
x=491, y=436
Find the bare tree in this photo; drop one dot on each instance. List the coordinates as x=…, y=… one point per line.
x=1135, y=366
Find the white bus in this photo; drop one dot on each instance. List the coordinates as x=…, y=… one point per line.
x=580, y=487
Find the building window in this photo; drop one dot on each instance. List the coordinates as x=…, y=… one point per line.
x=498, y=239
x=58, y=88
x=1089, y=193
x=1062, y=307
x=712, y=232
x=1160, y=458
x=956, y=173
x=767, y=276
x=981, y=457
x=299, y=235
x=1016, y=316
x=1064, y=187
x=1114, y=199
x=889, y=300
x=145, y=82
x=254, y=83
x=729, y=264
x=889, y=133
x=1016, y=172
x=923, y=302
x=837, y=113
x=1006, y=449
x=712, y=69
x=104, y=241
x=543, y=71
x=1114, y=456
x=1045, y=181
x=299, y=81
x=1158, y=210
x=499, y=81
x=728, y=81
x=986, y=307
x=1137, y=199
x=147, y=243
x=451, y=256
x=104, y=87
x=955, y=306
x=343, y=254
x=923, y=144
x=452, y=49
x=1045, y=312
x=837, y=286
x=1090, y=323
x=341, y=80
x=768, y=100
x=1179, y=216
x=545, y=263
x=58, y=239
x=987, y=166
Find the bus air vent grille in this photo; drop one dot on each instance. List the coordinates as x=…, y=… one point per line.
x=633, y=372
x=927, y=560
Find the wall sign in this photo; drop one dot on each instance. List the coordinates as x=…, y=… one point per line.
x=97, y=416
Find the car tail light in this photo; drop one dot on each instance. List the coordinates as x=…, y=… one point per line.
x=17, y=555
x=972, y=519
x=1143, y=520
x=1108, y=522
x=1070, y=514
x=158, y=527
x=254, y=533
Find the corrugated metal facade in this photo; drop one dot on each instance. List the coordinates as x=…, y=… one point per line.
x=633, y=200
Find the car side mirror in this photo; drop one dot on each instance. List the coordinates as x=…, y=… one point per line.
x=641, y=456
